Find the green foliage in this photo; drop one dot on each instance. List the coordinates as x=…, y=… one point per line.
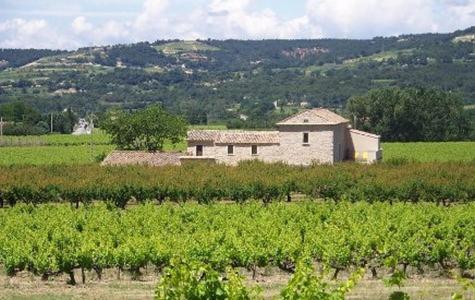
x=410, y=114
x=467, y=285
x=19, y=57
x=443, y=183
x=19, y=112
x=147, y=129
x=23, y=119
x=51, y=155
x=97, y=138
x=406, y=153
x=56, y=238
x=195, y=280
x=64, y=122
x=398, y=295
x=307, y=284
x=100, y=157
x=396, y=279
x=139, y=54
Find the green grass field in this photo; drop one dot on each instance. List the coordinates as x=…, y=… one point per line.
x=355, y=62
x=49, y=155
x=378, y=57
x=426, y=151
x=98, y=138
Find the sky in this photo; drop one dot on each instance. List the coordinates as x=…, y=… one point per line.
x=71, y=24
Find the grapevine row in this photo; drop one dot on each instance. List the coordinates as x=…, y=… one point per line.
x=56, y=238
x=430, y=182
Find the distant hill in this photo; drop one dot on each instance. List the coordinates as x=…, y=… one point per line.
x=232, y=80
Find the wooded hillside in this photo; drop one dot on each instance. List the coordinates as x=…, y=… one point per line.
x=211, y=81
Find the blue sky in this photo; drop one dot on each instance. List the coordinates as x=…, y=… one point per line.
x=78, y=23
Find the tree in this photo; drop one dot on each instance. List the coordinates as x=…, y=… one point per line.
x=412, y=114
x=146, y=129
x=64, y=122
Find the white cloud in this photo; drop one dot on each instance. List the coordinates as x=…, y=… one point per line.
x=235, y=19
x=159, y=19
x=80, y=25
x=152, y=18
x=109, y=32
x=463, y=13
x=23, y=26
x=36, y=33
x=346, y=18
x=364, y=19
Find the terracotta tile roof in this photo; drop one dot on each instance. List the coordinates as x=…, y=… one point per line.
x=155, y=159
x=234, y=136
x=316, y=116
x=365, y=133
x=202, y=135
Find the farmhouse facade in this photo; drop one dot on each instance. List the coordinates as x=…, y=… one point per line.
x=312, y=136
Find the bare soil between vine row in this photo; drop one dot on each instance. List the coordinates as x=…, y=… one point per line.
x=25, y=285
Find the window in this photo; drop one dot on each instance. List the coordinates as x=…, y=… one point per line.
x=230, y=149
x=305, y=120
x=305, y=137
x=199, y=150
x=254, y=149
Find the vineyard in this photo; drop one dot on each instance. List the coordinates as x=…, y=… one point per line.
x=384, y=240
x=328, y=229
x=442, y=183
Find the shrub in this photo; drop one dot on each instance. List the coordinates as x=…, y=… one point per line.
x=307, y=284
x=193, y=280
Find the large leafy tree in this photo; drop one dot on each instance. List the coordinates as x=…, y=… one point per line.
x=146, y=129
x=411, y=114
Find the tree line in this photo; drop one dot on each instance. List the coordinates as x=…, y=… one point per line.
x=22, y=119
x=412, y=114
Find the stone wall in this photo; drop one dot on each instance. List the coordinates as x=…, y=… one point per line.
x=340, y=142
x=327, y=144
x=267, y=153
x=319, y=148
x=208, y=150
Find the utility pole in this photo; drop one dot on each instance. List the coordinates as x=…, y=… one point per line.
x=1, y=126
x=51, y=123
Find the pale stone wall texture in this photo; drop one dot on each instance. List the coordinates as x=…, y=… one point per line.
x=319, y=148
x=326, y=144
x=208, y=150
x=340, y=142
x=266, y=153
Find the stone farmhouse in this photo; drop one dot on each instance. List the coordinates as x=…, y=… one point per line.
x=312, y=136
